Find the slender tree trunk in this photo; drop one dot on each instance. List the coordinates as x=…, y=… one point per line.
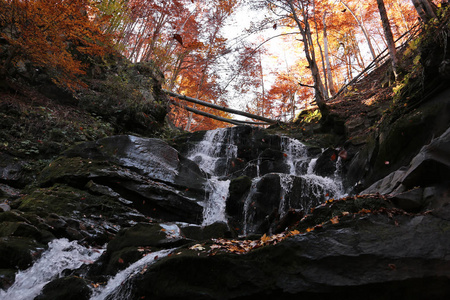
x=363, y=28
x=388, y=35
x=327, y=58
x=310, y=56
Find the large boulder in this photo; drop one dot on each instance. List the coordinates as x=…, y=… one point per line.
x=145, y=173
x=429, y=169
x=366, y=256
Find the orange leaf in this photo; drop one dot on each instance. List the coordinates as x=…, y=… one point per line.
x=333, y=157
x=265, y=238
x=334, y=220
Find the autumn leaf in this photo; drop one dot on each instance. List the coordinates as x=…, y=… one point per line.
x=335, y=220
x=197, y=247
x=333, y=157
x=120, y=260
x=265, y=238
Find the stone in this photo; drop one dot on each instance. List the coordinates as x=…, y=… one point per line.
x=146, y=174
x=410, y=201
x=67, y=288
x=326, y=163
x=366, y=257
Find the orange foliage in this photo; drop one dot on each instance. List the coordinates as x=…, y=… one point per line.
x=54, y=35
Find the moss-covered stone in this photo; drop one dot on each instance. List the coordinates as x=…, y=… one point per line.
x=18, y=252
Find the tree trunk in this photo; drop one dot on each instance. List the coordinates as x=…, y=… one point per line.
x=363, y=28
x=388, y=36
x=305, y=30
x=222, y=108
x=327, y=58
x=425, y=9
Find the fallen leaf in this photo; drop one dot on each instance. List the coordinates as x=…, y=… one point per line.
x=120, y=260
x=197, y=247
x=334, y=220
x=333, y=157
x=265, y=238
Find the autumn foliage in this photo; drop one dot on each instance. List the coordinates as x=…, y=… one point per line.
x=57, y=36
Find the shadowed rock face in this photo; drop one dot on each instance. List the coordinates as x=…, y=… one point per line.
x=368, y=256
x=425, y=182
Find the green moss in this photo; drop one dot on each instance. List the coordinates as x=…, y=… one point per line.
x=68, y=201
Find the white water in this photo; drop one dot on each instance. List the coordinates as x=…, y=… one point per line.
x=286, y=183
x=295, y=154
x=61, y=255
x=213, y=155
x=313, y=186
x=112, y=288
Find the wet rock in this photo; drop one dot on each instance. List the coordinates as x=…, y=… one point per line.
x=430, y=169
x=132, y=243
x=18, y=252
x=270, y=198
x=68, y=288
x=370, y=257
x=326, y=163
x=411, y=201
x=146, y=173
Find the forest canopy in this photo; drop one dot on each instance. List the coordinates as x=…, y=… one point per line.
x=328, y=43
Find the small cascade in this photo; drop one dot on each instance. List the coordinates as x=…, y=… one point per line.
x=61, y=255
x=286, y=183
x=214, y=152
x=296, y=156
x=117, y=287
x=248, y=214
x=213, y=155
x=214, y=210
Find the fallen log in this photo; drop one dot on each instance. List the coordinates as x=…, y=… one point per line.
x=205, y=114
x=222, y=108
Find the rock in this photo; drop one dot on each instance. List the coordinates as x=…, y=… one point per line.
x=267, y=202
x=4, y=207
x=18, y=252
x=367, y=257
x=410, y=201
x=326, y=163
x=146, y=173
x=68, y=288
x=123, y=249
x=430, y=168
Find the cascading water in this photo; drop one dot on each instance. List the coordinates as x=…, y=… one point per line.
x=213, y=155
x=61, y=255
x=117, y=287
x=312, y=186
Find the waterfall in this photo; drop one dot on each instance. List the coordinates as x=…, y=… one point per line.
x=314, y=189
x=117, y=287
x=214, y=155
x=295, y=155
x=61, y=255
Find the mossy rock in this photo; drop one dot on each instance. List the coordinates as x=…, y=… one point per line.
x=18, y=252
x=67, y=201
